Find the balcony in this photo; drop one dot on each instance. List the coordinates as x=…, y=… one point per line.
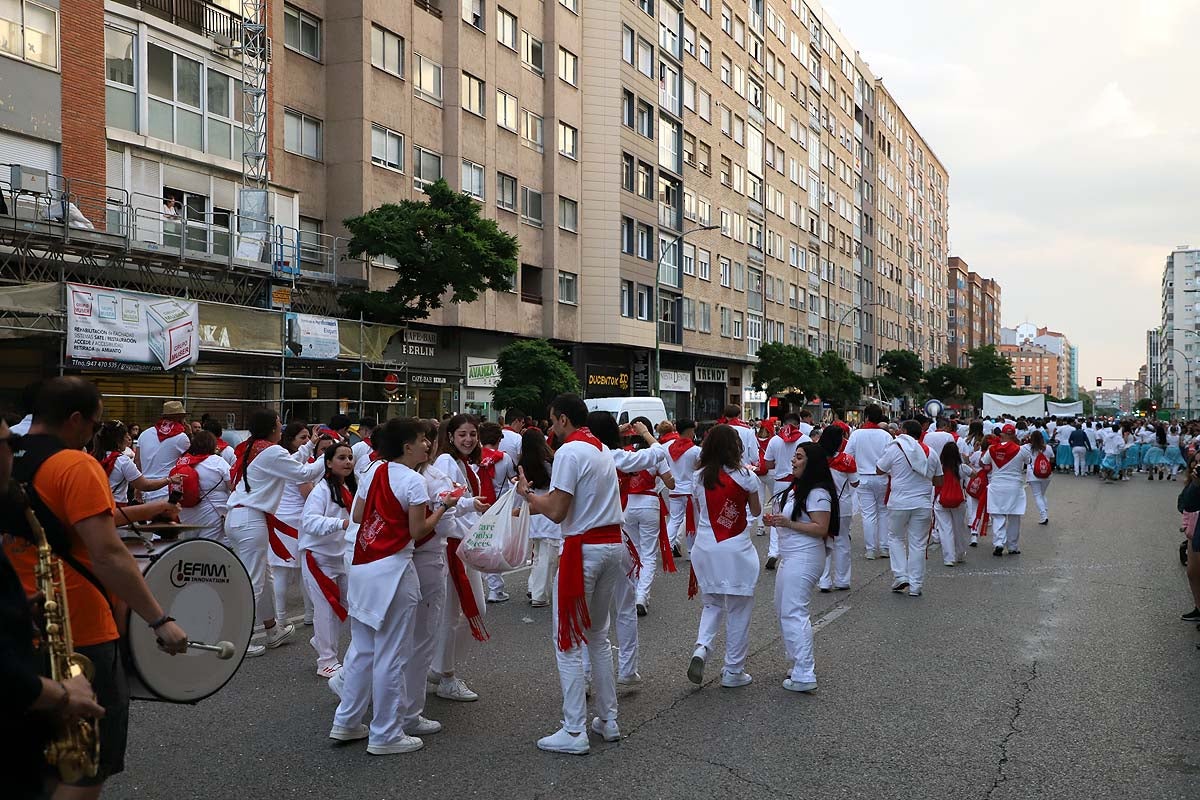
x=201, y=16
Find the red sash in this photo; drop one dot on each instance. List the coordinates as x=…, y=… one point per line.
x=726, y=507
x=276, y=528
x=166, y=428
x=573, y=616
x=487, y=473
x=462, y=587
x=328, y=586
x=664, y=539
x=109, y=461
x=221, y=445
x=384, y=529
x=843, y=463
x=735, y=422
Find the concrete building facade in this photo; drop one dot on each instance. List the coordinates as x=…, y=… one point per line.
x=972, y=311
x=1177, y=342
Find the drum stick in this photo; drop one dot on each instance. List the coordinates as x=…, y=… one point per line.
x=224, y=650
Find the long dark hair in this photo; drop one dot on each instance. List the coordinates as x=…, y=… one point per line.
x=952, y=459
x=722, y=449
x=1037, y=442
x=975, y=433
x=336, y=482
x=290, y=432
x=109, y=438
x=816, y=475
x=639, y=443
x=831, y=440
x=535, y=458
x=604, y=427
x=261, y=425
x=1160, y=433
x=446, y=438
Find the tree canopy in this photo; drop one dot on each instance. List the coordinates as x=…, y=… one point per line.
x=440, y=245
x=900, y=373
x=990, y=371
x=785, y=370
x=841, y=388
x=532, y=373
x=947, y=381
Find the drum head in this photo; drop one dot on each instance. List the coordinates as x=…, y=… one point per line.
x=204, y=586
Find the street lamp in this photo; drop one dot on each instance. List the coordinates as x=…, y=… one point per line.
x=1187, y=376
x=849, y=311
x=658, y=316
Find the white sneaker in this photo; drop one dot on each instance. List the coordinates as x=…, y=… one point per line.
x=498, y=596
x=870, y=555
x=349, y=734
x=974, y=539
x=799, y=686
x=255, y=650
x=732, y=680
x=337, y=681
x=899, y=585
x=563, y=741
x=949, y=563
x=279, y=634
x=405, y=744
x=328, y=672
x=633, y=679
x=695, y=671
x=914, y=592
x=423, y=727
x=606, y=729
x=539, y=603
x=455, y=689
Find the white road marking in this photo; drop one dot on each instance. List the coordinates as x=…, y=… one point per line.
x=829, y=616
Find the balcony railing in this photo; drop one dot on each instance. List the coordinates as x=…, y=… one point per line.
x=201, y=16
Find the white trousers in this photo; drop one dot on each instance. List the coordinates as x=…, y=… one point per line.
x=247, y=532
x=677, y=522
x=624, y=611
x=871, y=491
x=908, y=537
x=282, y=579
x=430, y=567
x=734, y=611
x=376, y=663
x=952, y=530
x=604, y=568
x=837, y=557
x=327, y=628
x=454, y=634
x=1038, y=487
x=545, y=569
x=641, y=526
x=797, y=576
x=1007, y=530
x=1080, y=456
x=495, y=582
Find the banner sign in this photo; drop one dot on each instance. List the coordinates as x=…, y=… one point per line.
x=130, y=331
x=604, y=380
x=311, y=337
x=674, y=380
x=483, y=372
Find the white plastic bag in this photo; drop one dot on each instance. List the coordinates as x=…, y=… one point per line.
x=499, y=542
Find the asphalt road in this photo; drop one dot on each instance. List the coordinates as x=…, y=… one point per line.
x=1059, y=673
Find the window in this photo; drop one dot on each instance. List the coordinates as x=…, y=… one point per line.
x=427, y=78
x=705, y=48
x=627, y=298
x=174, y=85
x=568, y=66
x=427, y=166
x=627, y=172
x=670, y=145
x=568, y=140
x=472, y=94
x=472, y=13
x=570, y=5
x=704, y=104
x=387, y=148
x=704, y=323
x=301, y=32
x=647, y=6
x=29, y=31
x=387, y=51
x=531, y=206
x=568, y=214
x=726, y=321
x=506, y=110
x=645, y=58
x=531, y=130
x=301, y=134
x=531, y=284
x=645, y=119
x=645, y=180
x=506, y=28
x=531, y=52
x=627, y=235
x=645, y=237
x=689, y=314
x=689, y=259
x=627, y=44
x=737, y=324
x=472, y=179
x=568, y=288
x=120, y=76
x=310, y=239
x=703, y=259
x=645, y=296
x=506, y=192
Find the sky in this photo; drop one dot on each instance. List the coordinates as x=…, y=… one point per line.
x=1071, y=133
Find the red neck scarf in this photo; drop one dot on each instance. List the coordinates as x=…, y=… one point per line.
x=488, y=460
x=866, y=426
x=584, y=435
x=221, y=445
x=726, y=507
x=1003, y=452
x=789, y=433
x=109, y=461
x=166, y=428
x=734, y=421
x=678, y=447
x=843, y=463
x=240, y=465
x=668, y=437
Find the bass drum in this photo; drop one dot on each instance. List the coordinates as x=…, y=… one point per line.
x=205, y=587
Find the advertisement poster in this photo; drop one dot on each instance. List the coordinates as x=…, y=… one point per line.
x=131, y=331
x=311, y=337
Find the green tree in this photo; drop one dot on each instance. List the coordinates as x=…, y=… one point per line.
x=990, y=372
x=947, y=381
x=1144, y=404
x=784, y=370
x=900, y=373
x=1089, y=403
x=532, y=373
x=842, y=388
x=441, y=246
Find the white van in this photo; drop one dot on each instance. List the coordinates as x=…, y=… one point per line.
x=625, y=409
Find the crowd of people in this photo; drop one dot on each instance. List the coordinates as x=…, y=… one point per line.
x=362, y=520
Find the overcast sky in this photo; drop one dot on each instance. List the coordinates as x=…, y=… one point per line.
x=1071, y=133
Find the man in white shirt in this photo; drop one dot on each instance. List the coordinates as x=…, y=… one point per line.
x=510, y=441
x=585, y=500
x=806, y=423
x=778, y=461
x=161, y=445
x=362, y=449
x=936, y=439
x=915, y=471
x=866, y=445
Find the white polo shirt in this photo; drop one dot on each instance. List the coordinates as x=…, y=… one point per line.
x=909, y=489
x=936, y=440
x=866, y=445
x=157, y=458
x=510, y=443
x=590, y=477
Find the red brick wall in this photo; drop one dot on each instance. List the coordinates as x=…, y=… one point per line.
x=82, y=54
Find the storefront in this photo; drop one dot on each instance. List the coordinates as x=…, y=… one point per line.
x=754, y=404
x=430, y=374
x=712, y=391
x=483, y=375
x=675, y=389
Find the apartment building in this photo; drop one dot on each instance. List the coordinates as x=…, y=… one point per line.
x=973, y=311
x=1153, y=363
x=1176, y=341
x=1063, y=381
x=1035, y=367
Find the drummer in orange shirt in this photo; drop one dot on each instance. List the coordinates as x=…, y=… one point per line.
x=74, y=489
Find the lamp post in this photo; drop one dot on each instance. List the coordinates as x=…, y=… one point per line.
x=848, y=312
x=678, y=241
x=1187, y=375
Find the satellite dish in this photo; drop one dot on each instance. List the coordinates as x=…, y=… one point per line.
x=934, y=408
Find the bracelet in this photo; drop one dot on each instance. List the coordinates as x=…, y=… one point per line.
x=158, y=623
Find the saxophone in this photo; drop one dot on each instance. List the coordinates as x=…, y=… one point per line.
x=75, y=749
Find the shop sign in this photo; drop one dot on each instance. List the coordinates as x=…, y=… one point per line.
x=391, y=383
x=712, y=375
x=281, y=297
x=419, y=343
x=672, y=380
x=752, y=396
x=604, y=380
x=131, y=331
x=483, y=372
x=310, y=336
x=641, y=373
x=435, y=380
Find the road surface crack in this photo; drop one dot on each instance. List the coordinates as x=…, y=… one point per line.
x=1023, y=690
x=775, y=792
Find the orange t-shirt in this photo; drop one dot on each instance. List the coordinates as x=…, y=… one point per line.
x=74, y=487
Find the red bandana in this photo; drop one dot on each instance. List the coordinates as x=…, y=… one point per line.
x=843, y=463
x=109, y=461
x=1003, y=452
x=678, y=447
x=789, y=433
x=735, y=422
x=584, y=435
x=221, y=445
x=240, y=466
x=166, y=428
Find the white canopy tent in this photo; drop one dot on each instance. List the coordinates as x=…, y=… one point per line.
x=1064, y=409
x=1017, y=405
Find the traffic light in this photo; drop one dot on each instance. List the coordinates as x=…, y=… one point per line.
x=1099, y=382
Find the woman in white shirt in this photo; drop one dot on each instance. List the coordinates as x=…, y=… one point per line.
x=112, y=451
x=284, y=554
x=323, y=526
x=724, y=560
x=262, y=470
x=808, y=514
x=545, y=536
x=212, y=473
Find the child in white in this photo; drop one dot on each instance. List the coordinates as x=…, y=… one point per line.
x=323, y=525
x=213, y=476
x=682, y=456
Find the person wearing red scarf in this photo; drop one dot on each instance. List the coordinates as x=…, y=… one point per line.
x=778, y=462
x=496, y=470
x=646, y=521
x=1008, y=460
x=682, y=455
x=844, y=471
x=585, y=499
x=866, y=445
x=160, y=446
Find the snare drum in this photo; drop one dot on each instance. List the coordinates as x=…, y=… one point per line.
x=204, y=586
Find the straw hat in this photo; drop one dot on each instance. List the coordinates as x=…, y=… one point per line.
x=173, y=408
